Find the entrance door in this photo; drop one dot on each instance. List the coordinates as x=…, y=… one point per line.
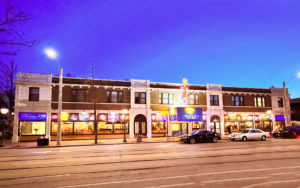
x=179, y=129
x=215, y=123
x=140, y=124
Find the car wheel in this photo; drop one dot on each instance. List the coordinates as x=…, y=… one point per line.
x=192, y=141
x=215, y=139
x=244, y=139
x=263, y=138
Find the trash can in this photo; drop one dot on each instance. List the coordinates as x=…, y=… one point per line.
x=139, y=138
x=43, y=141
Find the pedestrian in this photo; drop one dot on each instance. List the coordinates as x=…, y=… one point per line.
x=229, y=129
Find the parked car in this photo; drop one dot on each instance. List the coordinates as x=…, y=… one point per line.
x=200, y=136
x=250, y=134
x=287, y=132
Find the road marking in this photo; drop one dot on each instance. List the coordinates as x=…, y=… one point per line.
x=271, y=182
x=235, y=179
x=172, y=185
x=282, y=173
x=41, y=151
x=183, y=176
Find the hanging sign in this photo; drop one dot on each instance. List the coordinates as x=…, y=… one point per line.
x=187, y=114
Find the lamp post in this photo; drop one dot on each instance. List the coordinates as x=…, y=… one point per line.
x=285, y=100
x=269, y=112
x=4, y=111
x=52, y=54
x=124, y=112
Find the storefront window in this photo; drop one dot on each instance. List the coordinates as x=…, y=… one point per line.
x=198, y=125
x=83, y=128
x=158, y=127
x=32, y=128
x=119, y=128
x=104, y=128
x=66, y=127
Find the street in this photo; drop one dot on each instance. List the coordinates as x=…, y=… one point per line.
x=272, y=163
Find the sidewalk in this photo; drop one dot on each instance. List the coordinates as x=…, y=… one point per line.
x=70, y=143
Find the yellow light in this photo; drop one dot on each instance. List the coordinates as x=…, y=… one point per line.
x=189, y=110
x=102, y=117
x=124, y=111
x=4, y=111
x=173, y=111
x=64, y=116
x=298, y=74
x=51, y=53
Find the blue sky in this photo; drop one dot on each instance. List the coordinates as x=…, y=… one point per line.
x=247, y=43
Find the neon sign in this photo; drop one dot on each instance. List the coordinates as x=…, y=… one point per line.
x=28, y=116
x=187, y=114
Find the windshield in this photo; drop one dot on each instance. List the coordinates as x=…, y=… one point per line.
x=195, y=132
x=245, y=131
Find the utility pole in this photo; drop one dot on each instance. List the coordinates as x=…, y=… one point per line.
x=59, y=107
x=94, y=99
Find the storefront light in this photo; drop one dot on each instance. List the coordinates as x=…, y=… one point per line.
x=153, y=117
x=64, y=116
x=102, y=117
x=172, y=111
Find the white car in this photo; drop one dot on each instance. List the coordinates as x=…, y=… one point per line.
x=249, y=134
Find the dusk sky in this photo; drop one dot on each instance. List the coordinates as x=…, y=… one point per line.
x=247, y=43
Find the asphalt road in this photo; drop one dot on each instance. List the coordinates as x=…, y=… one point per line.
x=272, y=163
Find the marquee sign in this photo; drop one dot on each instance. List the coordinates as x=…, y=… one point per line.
x=185, y=92
x=186, y=114
x=30, y=116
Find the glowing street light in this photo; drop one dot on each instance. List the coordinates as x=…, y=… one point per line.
x=124, y=112
x=52, y=54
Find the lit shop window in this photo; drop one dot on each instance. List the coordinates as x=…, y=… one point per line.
x=104, y=128
x=83, y=128
x=166, y=98
x=238, y=100
x=198, y=125
x=140, y=97
x=32, y=128
x=34, y=94
x=259, y=101
x=66, y=127
x=175, y=127
x=214, y=100
x=158, y=127
x=193, y=99
x=119, y=128
x=114, y=96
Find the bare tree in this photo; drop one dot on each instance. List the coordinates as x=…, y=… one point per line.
x=8, y=33
x=7, y=86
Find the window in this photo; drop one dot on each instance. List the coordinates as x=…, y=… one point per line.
x=159, y=127
x=259, y=101
x=33, y=127
x=79, y=95
x=140, y=97
x=83, y=128
x=280, y=102
x=193, y=99
x=166, y=98
x=34, y=94
x=66, y=128
x=214, y=100
x=114, y=96
x=238, y=100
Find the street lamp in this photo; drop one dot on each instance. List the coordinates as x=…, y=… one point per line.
x=52, y=54
x=4, y=111
x=269, y=112
x=124, y=112
x=285, y=98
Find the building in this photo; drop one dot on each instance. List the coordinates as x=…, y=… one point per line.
x=154, y=109
x=295, y=111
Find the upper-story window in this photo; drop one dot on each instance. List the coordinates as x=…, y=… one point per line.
x=280, y=102
x=259, y=101
x=34, y=94
x=114, y=96
x=140, y=97
x=214, y=100
x=238, y=100
x=193, y=99
x=166, y=98
x=79, y=95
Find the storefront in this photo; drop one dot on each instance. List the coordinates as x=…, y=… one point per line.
x=279, y=121
x=32, y=124
x=182, y=117
x=159, y=124
x=241, y=122
x=83, y=124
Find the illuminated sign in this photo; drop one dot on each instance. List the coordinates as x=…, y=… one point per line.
x=54, y=116
x=64, y=116
x=29, y=116
x=187, y=114
x=113, y=117
x=84, y=117
x=74, y=117
x=279, y=118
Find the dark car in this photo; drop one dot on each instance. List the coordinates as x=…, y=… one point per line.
x=287, y=132
x=201, y=136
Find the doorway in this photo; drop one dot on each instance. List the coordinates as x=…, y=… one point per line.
x=140, y=125
x=215, y=122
